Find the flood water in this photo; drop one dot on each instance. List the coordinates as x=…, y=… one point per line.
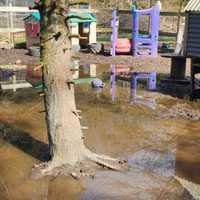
x=158, y=135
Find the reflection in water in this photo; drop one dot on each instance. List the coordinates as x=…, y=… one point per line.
x=155, y=161
x=151, y=85
x=156, y=148
x=117, y=72
x=83, y=73
x=124, y=73
x=113, y=82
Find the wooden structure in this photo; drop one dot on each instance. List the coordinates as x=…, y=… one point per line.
x=32, y=29
x=81, y=74
x=192, y=29
x=190, y=49
x=195, y=85
x=82, y=24
x=192, y=43
x=178, y=69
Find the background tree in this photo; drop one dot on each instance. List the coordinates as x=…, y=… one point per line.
x=64, y=129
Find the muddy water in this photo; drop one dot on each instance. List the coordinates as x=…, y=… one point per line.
x=158, y=146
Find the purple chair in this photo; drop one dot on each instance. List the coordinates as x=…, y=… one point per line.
x=150, y=77
x=113, y=82
x=142, y=45
x=114, y=32
x=146, y=45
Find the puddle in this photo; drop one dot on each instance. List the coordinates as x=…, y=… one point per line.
x=157, y=148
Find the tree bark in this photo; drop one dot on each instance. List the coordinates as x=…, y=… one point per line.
x=65, y=133
x=64, y=128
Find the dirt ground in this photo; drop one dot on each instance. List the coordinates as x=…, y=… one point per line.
x=160, y=143
x=159, y=64
x=11, y=56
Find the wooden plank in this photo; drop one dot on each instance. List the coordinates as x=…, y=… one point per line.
x=11, y=25
x=109, y=30
x=16, y=9
x=104, y=30
x=172, y=14
x=84, y=10
x=162, y=13
x=128, y=11
x=15, y=86
x=13, y=30
x=14, y=67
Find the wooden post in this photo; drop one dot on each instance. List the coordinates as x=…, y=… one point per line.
x=93, y=71
x=179, y=18
x=8, y=23
x=179, y=40
x=11, y=25
x=93, y=33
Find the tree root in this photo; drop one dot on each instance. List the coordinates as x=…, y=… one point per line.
x=107, y=162
x=80, y=169
x=54, y=169
x=44, y=169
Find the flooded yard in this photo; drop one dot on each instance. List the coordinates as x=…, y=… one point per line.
x=158, y=135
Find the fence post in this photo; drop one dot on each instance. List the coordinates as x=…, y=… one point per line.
x=11, y=25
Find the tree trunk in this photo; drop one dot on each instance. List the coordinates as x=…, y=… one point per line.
x=65, y=133
x=64, y=129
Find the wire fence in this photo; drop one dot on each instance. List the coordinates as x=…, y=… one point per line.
x=17, y=2
x=12, y=21
x=18, y=20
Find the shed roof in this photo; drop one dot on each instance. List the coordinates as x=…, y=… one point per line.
x=75, y=17
x=193, y=5
x=81, y=17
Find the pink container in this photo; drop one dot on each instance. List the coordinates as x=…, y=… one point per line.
x=123, y=45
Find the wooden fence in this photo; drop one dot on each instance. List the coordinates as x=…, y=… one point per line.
x=101, y=28
x=173, y=15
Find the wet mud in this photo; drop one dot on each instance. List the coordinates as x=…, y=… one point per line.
x=159, y=144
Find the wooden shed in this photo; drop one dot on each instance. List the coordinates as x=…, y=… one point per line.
x=32, y=29
x=82, y=26
x=192, y=29
x=83, y=29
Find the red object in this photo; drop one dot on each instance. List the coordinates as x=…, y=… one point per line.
x=33, y=73
x=123, y=45
x=32, y=30
x=35, y=30
x=122, y=69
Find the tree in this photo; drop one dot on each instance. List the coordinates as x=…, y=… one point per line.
x=64, y=129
